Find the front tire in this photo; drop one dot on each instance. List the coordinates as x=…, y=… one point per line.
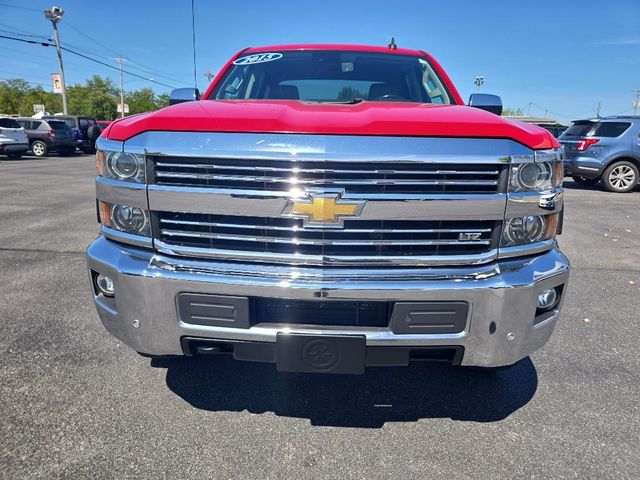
x=620, y=177
x=39, y=148
x=585, y=181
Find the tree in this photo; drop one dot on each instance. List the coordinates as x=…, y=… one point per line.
x=348, y=94
x=512, y=112
x=98, y=97
x=140, y=101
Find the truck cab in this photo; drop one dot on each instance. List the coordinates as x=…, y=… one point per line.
x=326, y=208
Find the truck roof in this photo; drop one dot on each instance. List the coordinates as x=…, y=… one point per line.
x=335, y=46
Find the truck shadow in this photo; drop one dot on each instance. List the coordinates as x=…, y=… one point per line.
x=365, y=401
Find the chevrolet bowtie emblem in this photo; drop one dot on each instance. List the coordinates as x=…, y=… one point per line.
x=326, y=209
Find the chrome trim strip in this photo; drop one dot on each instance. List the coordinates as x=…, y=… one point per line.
x=345, y=230
x=250, y=256
x=380, y=207
x=520, y=204
x=122, y=193
x=529, y=249
x=321, y=275
x=338, y=148
x=374, y=171
x=550, y=155
x=118, y=236
x=322, y=181
x=109, y=145
x=306, y=241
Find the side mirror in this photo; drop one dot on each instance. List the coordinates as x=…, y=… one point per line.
x=180, y=95
x=486, y=101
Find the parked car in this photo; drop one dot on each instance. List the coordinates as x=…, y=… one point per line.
x=604, y=149
x=46, y=136
x=86, y=130
x=555, y=130
x=13, y=139
x=327, y=208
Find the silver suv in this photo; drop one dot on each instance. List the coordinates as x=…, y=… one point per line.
x=606, y=149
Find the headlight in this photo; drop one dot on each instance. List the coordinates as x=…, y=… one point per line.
x=126, y=219
x=129, y=167
x=544, y=170
x=529, y=229
x=532, y=176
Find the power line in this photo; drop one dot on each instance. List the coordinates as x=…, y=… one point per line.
x=66, y=49
x=16, y=28
x=21, y=75
x=90, y=38
x=559, y=114
x=19, y=7
x=115, y=68
x=11, y=32
x=109, y=49
x=146, y=69
x=27, y=81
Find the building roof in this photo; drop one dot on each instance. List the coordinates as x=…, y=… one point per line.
x=536, y=120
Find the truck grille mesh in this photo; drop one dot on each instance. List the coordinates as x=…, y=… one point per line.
x=352, y=176
x=367, y=239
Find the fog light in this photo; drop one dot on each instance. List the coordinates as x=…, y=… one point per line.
x=105, y=285
x=548, y=299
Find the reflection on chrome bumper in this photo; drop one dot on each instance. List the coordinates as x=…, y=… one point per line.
x=587, y=167
x=499, y=331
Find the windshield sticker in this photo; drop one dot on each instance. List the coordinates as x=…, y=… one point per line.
x=258, y=58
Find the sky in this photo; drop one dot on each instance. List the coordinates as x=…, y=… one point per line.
x=562, y=57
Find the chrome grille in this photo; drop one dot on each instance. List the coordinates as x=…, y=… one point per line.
x=285, y=239
x=352, y=176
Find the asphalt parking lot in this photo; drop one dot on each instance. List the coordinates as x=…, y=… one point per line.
x=76, y=403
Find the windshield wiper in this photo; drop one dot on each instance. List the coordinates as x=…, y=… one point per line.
x=353, y=101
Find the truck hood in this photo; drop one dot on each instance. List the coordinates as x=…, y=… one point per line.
x=365, y=118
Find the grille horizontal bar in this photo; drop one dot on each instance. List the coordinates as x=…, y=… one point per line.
x=322, y=181
x=296, y=228
x=302, y=241
x=379, y=171
x=287, y=237
x=353, y=177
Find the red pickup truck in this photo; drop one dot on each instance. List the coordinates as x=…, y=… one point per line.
x=328, y=208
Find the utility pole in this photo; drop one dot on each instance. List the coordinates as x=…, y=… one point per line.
x=636, y=102
x=209, y=75
x=529, y=109
x=55, y=15
x=479, y=81
x=598, y=109
x=120, y=61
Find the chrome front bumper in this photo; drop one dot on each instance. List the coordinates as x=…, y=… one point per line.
x=499, y=331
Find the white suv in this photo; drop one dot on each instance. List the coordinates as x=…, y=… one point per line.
x=13, y=139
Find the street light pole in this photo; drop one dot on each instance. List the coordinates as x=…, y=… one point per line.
x=55, y=15
x=121, y=60
x=479, y=81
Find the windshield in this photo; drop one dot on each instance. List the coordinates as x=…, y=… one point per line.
x=58, y=125
x=609, y=129
x=332, y=76
x=8, y=123
x=578, y=129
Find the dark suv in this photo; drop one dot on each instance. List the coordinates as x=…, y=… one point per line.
x=46, y=136
x=86, y=130
x=604, y=149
